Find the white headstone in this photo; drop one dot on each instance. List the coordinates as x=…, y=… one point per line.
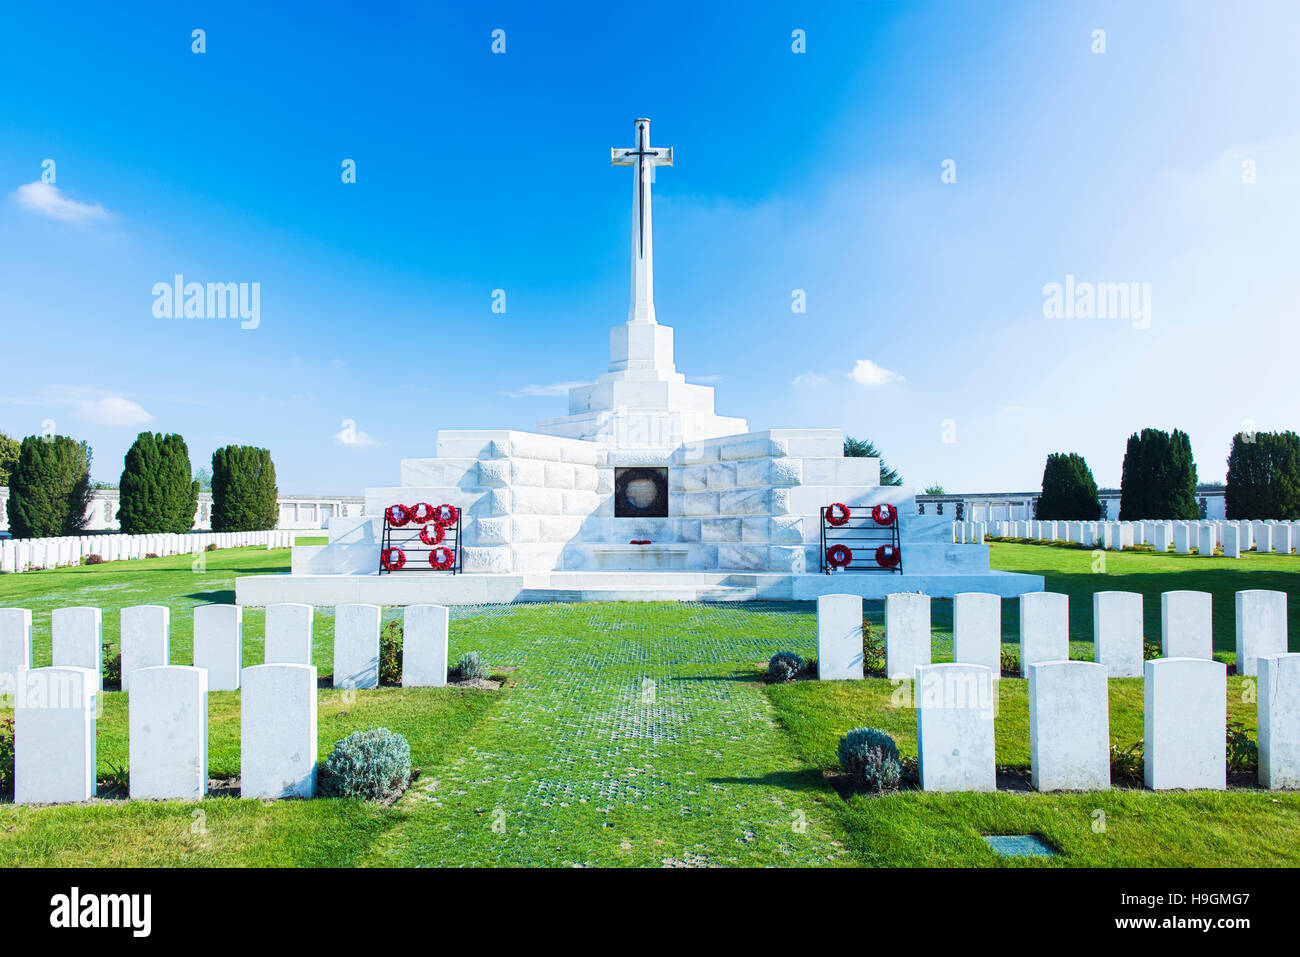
x=168, y=740
x=219, y=644
x=1205, y=541
x=839, y=637
x=1185, y=721
x=288, y=634
x=1117, y=637
x=1185, y=624
x=15, y=648
x=146, y=639
x=1282, y=539
x=955, y=708
x=77, y=640
x=1160, y=537
x=1182, y=538
x=977, y=630
x=277, y=735
x=1263, y=537
x=1279, y=721
x=424, y=646
x=356, y=646
x=1069, y=726
x=1261, y=626
x=907, y=633
x=54, y=736
x=1231, y=541
x=1044, y=628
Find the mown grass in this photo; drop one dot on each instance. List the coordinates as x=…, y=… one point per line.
x=642, y=734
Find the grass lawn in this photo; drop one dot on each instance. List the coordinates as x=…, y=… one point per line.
x=641, y=734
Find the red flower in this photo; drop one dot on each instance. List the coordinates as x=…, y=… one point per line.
x=839, y=556
x=446, y=515
x=887, y=556
x=837, y=513
x=397, y=515
x=884, y=514
x=392, y=558
x=442, y=558
x=439, y=533
x=422, y=513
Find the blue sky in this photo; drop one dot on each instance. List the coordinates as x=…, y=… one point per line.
x=818, y=171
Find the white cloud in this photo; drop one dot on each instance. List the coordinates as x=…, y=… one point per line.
x=866, y=372
x=555, y=388
x=351, y=435
x=808, y=379
x=112, y=410
x=45, y=198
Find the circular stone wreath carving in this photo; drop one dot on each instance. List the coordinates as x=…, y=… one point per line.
x=837, y=513
x=442, y=558
x=439, y=533
x=392, y=558
x=839, y=556
x=397, y=515
x=422, y=513
x=887, y=556
x=884, y=514
x=446, y=515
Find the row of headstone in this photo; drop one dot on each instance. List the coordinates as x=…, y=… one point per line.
x=1201, y=537
x=1185, y=695
x=969, y=533
x=56, y=707
x=27, y=554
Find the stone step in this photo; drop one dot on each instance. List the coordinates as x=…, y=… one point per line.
x=704, y=593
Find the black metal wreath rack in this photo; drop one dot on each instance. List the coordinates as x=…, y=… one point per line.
x=421, y=538
x=860, y=539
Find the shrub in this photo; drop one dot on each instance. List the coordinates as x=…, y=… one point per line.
x=151, y=555
x=784, y=666
x=93, y=560
x=212, y=547
x=6, y=755
x=1126, y=764
x=1243, y=753
x=157, y=492
x=873, y=650
x=471, y=666
x=244, y=494
x=1150, y=650
x=1011, y=664
x=1069, y=490
x=390, y=654
x=49, y=487
x=374, y=765
x=1159, y=477
x=1264, y=476
x=870, y=758
x=112, y=666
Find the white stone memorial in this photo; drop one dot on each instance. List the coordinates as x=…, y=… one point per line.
x=15, y=648
x=356, y=646
x=54, y=736
x=955, y=709
x=1278, y=712
x=1044, y=628
x=145, y=639
x=907, y=633
x=1261, y=626
x=839, y=637
x=424, y=646
x=168, y=733
x=77, y=640
x=1186, y=624
x=1069, y=726
x=219, y=644
x=1185, y=713
x=1117, y=637
x=277, y=735
x=977, y=630
x=1205, y=540
x=288, y=634
x=1231, y=541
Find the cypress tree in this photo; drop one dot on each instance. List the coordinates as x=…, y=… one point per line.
x=1264, y=476
x=1159, y=477
x=49, y=487
x=1069, y=490
x=244, y=495
x=855, y=448
x=158, y=494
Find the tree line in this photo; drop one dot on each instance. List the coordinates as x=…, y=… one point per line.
x=1159, y=479
x=50, y=491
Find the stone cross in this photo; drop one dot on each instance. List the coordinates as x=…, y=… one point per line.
x=645, y=160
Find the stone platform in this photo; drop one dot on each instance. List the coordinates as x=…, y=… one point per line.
x=408, y=588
